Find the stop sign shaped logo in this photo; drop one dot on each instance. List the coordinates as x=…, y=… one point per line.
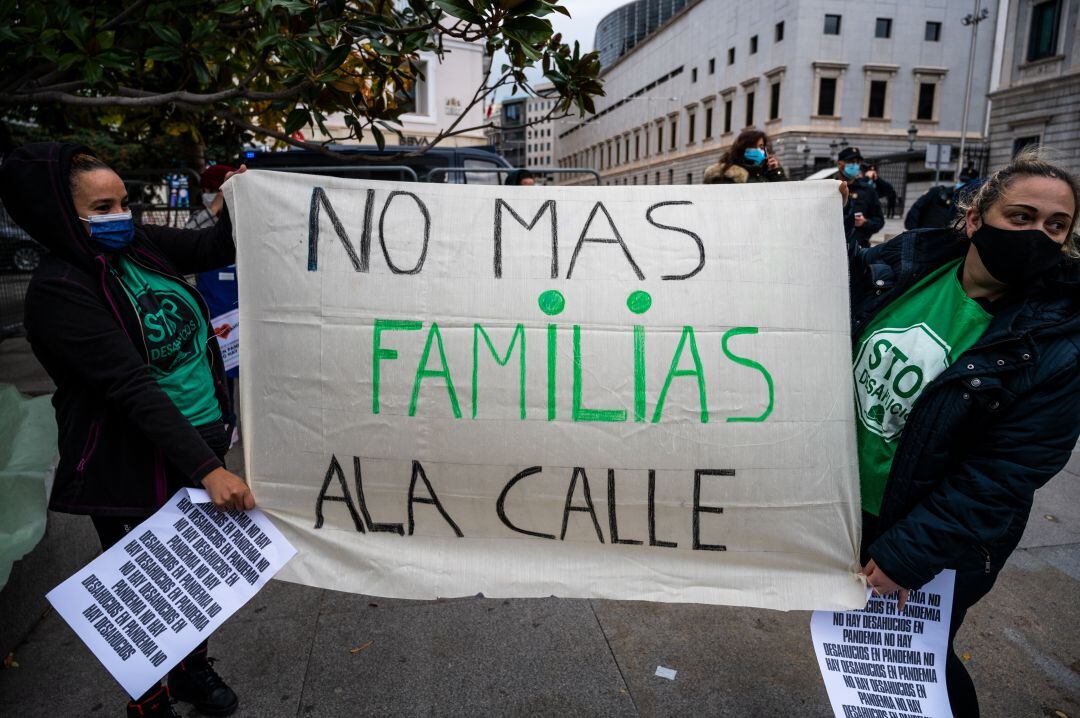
x=891, y=370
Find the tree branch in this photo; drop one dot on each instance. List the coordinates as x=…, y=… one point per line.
x=127, y=12
x=235, y=119
x=130, y=97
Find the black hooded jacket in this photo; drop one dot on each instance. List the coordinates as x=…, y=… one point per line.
x=124, y=445
x=995, y=426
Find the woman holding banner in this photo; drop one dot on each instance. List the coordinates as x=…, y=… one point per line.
x=967, y=385
x=140, y=399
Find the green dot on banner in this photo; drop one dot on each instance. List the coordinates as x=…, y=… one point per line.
x=551, y=302
x=639, y=302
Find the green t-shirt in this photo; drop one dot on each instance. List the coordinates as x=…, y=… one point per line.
x=905, y=348
x=175, y=333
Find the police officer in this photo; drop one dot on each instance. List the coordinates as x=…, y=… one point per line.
x=937, y=208
x=863, y=206
x=884, y=189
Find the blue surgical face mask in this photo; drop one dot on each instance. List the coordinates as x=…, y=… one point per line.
x=958, y=185
x=851, y=170
x=754, y=155
x=111, y=232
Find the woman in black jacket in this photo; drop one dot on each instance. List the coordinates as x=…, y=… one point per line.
x=967, y=384
x=140, y=399
x=749, y=159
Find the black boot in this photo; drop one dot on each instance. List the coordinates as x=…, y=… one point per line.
x=152, y=705
x=195, y=681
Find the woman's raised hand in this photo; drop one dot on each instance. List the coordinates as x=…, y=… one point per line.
x=241, y=170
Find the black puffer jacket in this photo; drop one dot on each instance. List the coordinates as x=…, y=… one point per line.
x=936, y=208
x=990, y=430
x=124, y=446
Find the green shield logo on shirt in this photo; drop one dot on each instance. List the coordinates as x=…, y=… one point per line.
x=892, y=368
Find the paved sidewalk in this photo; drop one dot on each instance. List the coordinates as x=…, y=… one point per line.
x=290, y=651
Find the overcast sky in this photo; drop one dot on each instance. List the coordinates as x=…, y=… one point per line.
x=585, y=14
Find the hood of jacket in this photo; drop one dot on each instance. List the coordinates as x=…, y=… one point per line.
x=733, y=173
x=36, y=191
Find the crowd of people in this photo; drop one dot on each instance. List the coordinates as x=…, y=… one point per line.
x=144, y=406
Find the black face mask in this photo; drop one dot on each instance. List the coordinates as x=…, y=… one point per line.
x=1014, y=257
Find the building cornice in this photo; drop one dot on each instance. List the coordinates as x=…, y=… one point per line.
x=881, y=67
x=1035, y=85
x=1030, y=118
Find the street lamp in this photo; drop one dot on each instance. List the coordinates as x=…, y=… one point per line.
x=973, y=20
x=911, y=132
x=805, y=153
x=833, y=147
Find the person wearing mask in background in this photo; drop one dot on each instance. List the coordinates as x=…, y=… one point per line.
x=939, y=206
x=884, y=189
x=218, y=286
x=966, y=346
x=749, y=159
x=863, y=205
x=140, y=393
x=520, y=178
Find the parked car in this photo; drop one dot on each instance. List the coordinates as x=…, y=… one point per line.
x=368, y=160
x=19, y=253
x=824, y=173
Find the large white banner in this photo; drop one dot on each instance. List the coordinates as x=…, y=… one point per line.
x=620, y=392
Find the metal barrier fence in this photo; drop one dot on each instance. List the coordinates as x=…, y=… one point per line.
x=535, y=171
x=19, y=256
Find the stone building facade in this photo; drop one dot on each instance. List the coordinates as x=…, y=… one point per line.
x=438, y=100
x=540, y=138
x=1036, y=99
x=814, y=74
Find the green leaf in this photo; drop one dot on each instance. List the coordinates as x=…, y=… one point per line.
x=92, y=73
x=105, y=39
x=380, y=140
x=272, y=40
x=75, y=38
x=167, y=34
x=296, y=119
x=68, y=60
x=533, y=29
x=293, y=6
x=161, y=53
x=232, y=7
x=461, y=9
x=201, y=73
x=531, y=7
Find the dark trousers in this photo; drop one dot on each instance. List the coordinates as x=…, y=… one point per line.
x=971, y=586
x=112, y=529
